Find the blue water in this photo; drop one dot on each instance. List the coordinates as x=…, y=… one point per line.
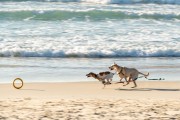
x=62, y=40
x=75, y=69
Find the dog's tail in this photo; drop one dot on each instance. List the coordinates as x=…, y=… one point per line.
x=145, y=75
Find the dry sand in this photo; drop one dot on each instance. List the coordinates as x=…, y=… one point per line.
x=157, y=100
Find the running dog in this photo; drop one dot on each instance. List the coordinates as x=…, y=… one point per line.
x=102, y=77
x=125, y=72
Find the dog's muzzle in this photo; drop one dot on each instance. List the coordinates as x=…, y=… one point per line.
x=87, y=75
x=110, y=68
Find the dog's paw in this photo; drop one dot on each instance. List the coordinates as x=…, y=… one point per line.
x=108, y=83
x=134, y=87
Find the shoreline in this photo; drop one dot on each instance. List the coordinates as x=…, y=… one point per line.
x=73, y=70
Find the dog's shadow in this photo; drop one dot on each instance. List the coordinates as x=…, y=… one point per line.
x=147, y=89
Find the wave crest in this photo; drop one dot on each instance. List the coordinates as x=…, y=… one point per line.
x=92, y=54
x=94, y=15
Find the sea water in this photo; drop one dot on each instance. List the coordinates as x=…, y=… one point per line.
x=63, y=40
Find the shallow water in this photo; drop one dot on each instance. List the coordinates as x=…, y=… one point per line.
x=75, y=69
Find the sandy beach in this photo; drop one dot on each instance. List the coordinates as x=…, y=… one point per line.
x=53, y=44
x=87, y=100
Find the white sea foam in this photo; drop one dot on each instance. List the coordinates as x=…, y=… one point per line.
x=88, y=30
x=83, y=48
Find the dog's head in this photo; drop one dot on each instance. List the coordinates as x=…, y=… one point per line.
x=91, y=74
x=114, y=66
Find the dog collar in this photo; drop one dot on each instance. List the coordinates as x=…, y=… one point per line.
x=121, y=71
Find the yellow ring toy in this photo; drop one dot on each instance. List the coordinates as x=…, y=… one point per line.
x=19, y=80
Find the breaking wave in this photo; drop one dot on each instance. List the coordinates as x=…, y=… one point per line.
x=92, y=54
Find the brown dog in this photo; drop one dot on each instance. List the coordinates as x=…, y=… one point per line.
x=130, y=73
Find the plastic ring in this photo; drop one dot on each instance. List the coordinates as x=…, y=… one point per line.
x=19, y=80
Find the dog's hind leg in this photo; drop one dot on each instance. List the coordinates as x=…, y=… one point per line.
x=134, y=78
x=135, y=85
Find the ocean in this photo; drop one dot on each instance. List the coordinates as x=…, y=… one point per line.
x=63, y=40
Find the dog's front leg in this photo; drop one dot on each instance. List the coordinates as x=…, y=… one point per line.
x=125, y=78
x=120, y=81
x=108, y=81
x=127, y=81
x=104, y=86
x=104, y=83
